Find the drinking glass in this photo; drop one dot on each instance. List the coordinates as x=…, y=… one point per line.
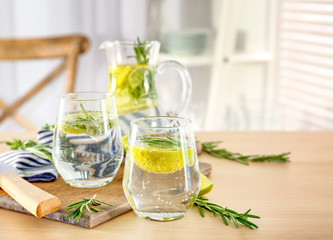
x=87, y=148
x=161, y=176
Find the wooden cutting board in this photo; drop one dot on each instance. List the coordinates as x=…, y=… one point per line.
x=112, y=193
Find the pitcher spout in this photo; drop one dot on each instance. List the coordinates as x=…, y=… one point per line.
x=105, y=45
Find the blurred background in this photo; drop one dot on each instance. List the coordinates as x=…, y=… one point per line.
x=255, y=64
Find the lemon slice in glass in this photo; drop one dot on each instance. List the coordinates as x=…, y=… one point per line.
x=161, y=160
x=206, y=185
x=75, y=123
x=71, y=125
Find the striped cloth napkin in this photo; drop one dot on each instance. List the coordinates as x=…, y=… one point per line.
x=125, y=120
x=29, y=166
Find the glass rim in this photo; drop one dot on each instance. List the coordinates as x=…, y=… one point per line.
x=132, y=43
x=135, y=122
x=104, y=96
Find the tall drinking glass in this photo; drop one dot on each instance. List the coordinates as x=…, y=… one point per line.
x=87, y=148
x=161, y=177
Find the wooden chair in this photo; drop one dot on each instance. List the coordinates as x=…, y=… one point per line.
x=66, y=47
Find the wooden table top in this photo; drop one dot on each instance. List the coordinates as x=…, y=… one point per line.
x=294, y=200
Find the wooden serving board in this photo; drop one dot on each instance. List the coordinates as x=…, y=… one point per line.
x=112, y=193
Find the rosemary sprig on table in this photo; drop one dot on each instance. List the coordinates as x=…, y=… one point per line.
x=89, y=204
x=225, y=213
x=141, y=51
x=31, y=146
x=212, y=149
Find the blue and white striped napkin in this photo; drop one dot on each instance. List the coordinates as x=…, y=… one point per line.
x=125, y=120
x=28, y=165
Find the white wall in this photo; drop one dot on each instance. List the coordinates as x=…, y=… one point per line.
x=99, y=20
x=125, y=19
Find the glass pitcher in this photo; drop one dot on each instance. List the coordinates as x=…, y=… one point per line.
x=133, y=68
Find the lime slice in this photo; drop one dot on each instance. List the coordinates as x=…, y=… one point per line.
x=206, y=185
x=160, y=160
x=138, y=75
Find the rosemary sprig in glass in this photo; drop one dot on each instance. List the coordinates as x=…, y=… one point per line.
x=212, y=149
x=89, y=204
x=167, y=142
x=88, y=117
x=31, y=146
x=141, y=50
x=88, y=124
x=225, y=213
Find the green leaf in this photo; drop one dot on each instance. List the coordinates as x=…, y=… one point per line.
x=31, y=146
x=89, y=117
x=97, y=210
x=234, y=221
x=79, y=216
x=72, y=213
x=224, y=219
x=49, y=127
x=201, y=211
x=141, y=51
x=41, y=153
x=103, y=203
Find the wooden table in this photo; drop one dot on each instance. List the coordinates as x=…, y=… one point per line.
x=294, y=200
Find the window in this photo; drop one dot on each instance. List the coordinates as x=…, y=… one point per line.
x=305, y=75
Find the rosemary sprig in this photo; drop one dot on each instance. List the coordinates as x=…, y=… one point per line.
x=225, y=213
x=167, y=142
x=141, y=51
x=49, y=127
x=212, y=149
x=31, y=146
x=89, y=204
x=88, y=124
x=88, y=117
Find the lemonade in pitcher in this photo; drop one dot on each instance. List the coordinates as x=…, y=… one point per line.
x=133, y=84
x=133, y=68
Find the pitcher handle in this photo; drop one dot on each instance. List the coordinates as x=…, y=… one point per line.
x=185, y=80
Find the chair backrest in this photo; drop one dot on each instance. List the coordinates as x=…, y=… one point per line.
x=67, y=48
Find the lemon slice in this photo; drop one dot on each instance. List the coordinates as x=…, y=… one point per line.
x=206, y=185
x=138, y=75
x=119, y=73
x=71, y=128
x=161, y=160
x=74, y=123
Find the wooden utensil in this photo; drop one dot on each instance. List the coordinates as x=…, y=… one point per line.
x=32, y=198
